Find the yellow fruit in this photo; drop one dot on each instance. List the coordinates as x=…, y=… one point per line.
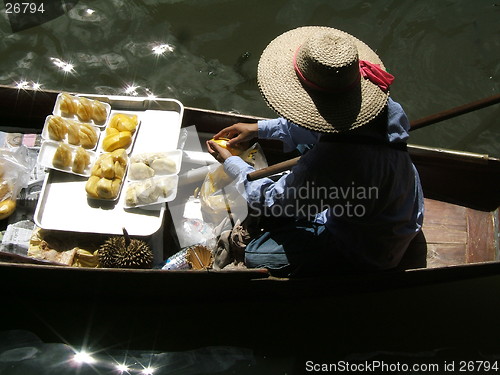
x=7, y=207
x=91, y=186
x=62, y=157
x=235, y=150
x=88, y=136
x=68, y=105
x=120, y=156
x=107, y=166
x=73, y=133
x=111, y=131
x=81, y=160
x=115, y=141
x=105, y=188
x=119, y=170
x=115, y=187
x=124, y=122
x=85, y=110
x=99, y=113
x=57, y=128
x=96, y=170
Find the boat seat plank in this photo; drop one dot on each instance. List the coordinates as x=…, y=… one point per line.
x=443, y=255
x=458, y=235
x=481, y=236
x=442, y=213
x=445, y=234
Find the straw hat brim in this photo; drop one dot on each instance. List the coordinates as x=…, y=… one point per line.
x=315, y=110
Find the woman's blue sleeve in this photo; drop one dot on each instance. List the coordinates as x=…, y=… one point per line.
x=289, y=133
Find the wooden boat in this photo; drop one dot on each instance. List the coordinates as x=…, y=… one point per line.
x=460, y=236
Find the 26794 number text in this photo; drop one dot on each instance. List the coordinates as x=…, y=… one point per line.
x=24, y=8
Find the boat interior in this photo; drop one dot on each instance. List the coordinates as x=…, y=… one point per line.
x=461, y=227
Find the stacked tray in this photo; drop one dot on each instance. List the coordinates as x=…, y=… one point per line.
x=152, y=178
x=69, y=200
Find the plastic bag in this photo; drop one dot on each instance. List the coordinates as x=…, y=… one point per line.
x=15, y=169
x=222, y=197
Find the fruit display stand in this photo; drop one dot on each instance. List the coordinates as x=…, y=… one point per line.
x=63, y=203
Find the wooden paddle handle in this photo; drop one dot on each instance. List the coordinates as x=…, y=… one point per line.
x=273, y=169
x=454, y=112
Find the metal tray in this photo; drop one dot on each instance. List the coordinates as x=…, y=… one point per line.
x=63, y=203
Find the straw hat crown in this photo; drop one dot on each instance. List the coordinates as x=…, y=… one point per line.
x=329, y=61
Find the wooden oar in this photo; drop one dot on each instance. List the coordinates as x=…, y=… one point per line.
x=425, y=121
x=454, y=112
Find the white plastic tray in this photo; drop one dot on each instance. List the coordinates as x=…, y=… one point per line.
x=134, y=136
x=63, y=203
x=173, y=180
x=57, y=110
x=175, y=156
x=46, y=154
x=46, y=137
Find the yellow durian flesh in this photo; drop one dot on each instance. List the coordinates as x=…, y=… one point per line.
x=88, y=136
x=68, y=105
x=62, y=157
x=124, y=122
x=111, y=131
x=73, y=133
x=91, y=186
x=115, y=141
x=85, y=110
x=81, y=160
x=119, y=170
x=57, y=128
x=115, y=187
x=105, y=188
x=107, y=166
x=99, y=112
x=120, y=155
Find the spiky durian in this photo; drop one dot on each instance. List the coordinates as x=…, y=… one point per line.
x=124, y=252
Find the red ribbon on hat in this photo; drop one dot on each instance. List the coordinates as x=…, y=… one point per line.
x=368, y=70
x=375, y=74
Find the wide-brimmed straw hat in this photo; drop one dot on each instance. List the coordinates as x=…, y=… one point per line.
x=323, y=79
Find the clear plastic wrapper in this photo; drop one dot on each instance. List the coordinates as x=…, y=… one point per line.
x=151, y=191
x=152, y=164
x=15, y=170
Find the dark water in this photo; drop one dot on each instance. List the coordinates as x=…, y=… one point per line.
x=443, y=53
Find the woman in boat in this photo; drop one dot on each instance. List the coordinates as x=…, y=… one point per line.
x=354, y=198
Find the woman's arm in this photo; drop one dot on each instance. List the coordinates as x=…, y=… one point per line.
x=281, y=129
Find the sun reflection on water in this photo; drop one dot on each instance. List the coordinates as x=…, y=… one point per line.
x=27, y=85
x=64, y=66
x=83, y=357
x=161, y=49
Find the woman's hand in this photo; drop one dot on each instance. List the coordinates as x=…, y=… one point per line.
x=219, y=153
x=238, y=133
